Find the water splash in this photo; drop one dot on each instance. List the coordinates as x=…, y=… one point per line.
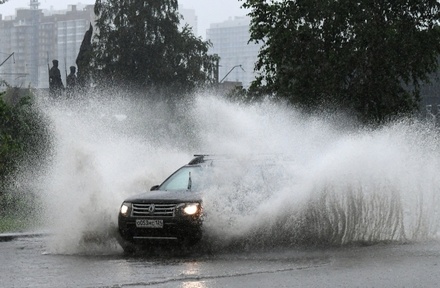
x=327, y=182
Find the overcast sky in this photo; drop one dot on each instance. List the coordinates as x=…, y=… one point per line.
x=207, y=11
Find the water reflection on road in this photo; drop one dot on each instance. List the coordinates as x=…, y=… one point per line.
x=25, y=263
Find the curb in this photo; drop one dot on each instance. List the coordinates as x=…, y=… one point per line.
x=5, y=237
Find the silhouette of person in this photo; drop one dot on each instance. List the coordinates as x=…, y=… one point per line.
x=55, y=82
x=71, y=82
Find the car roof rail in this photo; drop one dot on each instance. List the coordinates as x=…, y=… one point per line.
x=199, y=158
x=261, y=157
x=202, y=158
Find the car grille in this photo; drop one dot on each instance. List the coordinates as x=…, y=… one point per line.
x=153, y=210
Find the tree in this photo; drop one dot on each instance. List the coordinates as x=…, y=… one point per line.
x=366, y=56
x=139, y=44
x=25, y=139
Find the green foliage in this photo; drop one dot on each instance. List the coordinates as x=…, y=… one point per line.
x=139, y=45
x=24, y=135
x=366, y=56
x=9, y=224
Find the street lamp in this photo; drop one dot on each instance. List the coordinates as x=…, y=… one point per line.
x=430, y=114
x=11, y=55
x=231, y=71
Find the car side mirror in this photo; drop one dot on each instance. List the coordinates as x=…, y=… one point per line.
x=155, y=187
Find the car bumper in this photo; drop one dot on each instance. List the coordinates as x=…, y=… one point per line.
x=173, y=230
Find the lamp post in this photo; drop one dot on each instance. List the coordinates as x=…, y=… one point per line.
x=430, y=114
x=12, y=54
x=437, y=115
x=231, y=71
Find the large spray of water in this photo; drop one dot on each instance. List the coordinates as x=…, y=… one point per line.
x=327, y=182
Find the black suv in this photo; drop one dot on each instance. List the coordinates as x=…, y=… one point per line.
x=169, y=212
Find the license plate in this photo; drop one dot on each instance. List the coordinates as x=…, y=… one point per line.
x=149, y=223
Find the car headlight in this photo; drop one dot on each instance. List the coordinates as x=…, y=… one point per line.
x=191, y=209
x=125, y=209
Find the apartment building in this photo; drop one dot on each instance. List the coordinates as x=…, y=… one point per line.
x=35, y=37
x=237, y=56
x=189, y=18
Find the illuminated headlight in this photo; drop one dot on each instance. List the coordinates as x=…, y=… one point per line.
x=191, y=209
x=125, y=209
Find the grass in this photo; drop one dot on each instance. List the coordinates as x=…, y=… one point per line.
x=14, y=224
x=19, y=212
x=18, y=215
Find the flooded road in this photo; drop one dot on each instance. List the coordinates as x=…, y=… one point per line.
x=26, y=263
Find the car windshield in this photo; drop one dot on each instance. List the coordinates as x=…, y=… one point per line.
x=186, y=178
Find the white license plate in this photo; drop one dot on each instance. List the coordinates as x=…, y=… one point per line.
x=149, y=223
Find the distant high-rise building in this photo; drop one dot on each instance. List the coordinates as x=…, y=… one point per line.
x=36, y=37
x=19, y=36
x=237, y=56
x=190, y=18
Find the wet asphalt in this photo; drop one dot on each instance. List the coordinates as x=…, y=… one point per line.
x=27, y=262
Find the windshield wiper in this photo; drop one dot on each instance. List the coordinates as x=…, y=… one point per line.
x=189, y=181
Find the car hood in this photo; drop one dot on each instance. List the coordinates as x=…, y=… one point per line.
x=158, y=196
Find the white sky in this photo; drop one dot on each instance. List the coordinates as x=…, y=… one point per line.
x=207, y=11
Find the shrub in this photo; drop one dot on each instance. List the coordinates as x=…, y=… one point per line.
x=24, y=144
